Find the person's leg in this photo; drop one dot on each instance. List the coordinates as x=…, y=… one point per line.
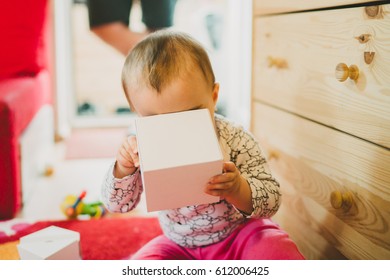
x=158, y=14
x=109, y=20
x=161, y=248
x=255, y=240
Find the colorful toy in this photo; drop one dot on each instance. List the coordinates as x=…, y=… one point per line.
x=74, y=206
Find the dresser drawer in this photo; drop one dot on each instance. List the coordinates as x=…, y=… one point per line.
x=262, y=7
x=294, y=62
x=316, y=166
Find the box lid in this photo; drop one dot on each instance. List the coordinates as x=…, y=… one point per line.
x=50, y=233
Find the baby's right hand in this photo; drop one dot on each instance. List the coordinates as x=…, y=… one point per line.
x=127, y=160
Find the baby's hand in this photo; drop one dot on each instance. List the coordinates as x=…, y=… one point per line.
x=226, y=184
x=230, y=185
x=127, y=160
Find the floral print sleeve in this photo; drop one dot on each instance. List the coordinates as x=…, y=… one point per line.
x=121, y=195
x=245, y=153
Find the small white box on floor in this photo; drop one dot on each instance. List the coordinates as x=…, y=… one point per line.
x=51, y=243
x=179, y=153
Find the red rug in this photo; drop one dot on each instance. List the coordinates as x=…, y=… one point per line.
x=103, y=239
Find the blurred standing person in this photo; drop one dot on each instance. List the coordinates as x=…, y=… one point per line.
x=110, y=20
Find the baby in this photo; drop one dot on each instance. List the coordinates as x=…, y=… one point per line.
x=170, y=72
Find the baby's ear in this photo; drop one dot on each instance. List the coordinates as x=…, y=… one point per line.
x=132, y=109
x=215, y=92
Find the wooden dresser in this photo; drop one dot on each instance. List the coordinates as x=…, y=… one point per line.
x=321, y=111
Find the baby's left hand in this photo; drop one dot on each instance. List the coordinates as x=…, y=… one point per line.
x=226, y=185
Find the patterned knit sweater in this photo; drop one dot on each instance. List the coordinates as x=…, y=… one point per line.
x=202, y=225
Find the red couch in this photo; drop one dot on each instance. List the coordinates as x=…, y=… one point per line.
x=25, y=86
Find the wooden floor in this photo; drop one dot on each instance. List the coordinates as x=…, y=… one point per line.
x=70, y=177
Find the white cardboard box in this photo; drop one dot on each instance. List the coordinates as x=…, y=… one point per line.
x=179, y=153
x=51, y=243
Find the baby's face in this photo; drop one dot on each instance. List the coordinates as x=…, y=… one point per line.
x=188, y=93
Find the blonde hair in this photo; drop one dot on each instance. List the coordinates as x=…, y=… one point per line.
x=163, y=57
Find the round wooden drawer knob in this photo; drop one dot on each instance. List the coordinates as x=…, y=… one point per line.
x=344, y=72
x=341, y=200
x=353, y=72
x=373, y=11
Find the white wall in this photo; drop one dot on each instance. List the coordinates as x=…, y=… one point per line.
x=232, y=61
x=240, y=56
x=63, y=66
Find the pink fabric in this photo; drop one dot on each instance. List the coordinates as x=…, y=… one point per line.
x=255, y=240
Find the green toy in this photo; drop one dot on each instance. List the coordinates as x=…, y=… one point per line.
x=74, y=206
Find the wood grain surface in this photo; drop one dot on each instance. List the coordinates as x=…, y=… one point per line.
x=311, y=161
x=294, y=62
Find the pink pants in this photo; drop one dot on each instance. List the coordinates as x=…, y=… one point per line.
x=254, y=240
